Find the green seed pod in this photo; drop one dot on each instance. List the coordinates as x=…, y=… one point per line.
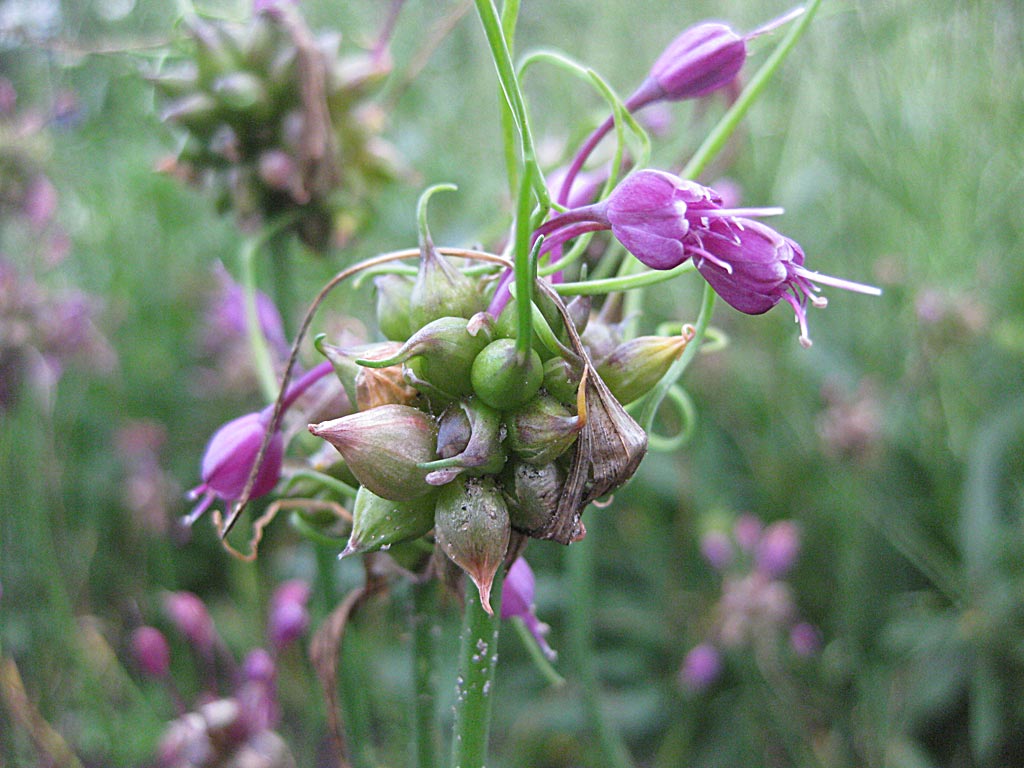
x=377, y=523
x=468, y=441
x=542, y=430
x=532, y=493
x=472, y=527
x=384, y=448
x=441, y=354
x=176, y=82
x=503, y=378
x=393, y=295
x=215, y=55
x=562, y=380
x=633, y=368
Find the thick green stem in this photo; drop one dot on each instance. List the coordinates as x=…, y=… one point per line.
x=580, y=559
x=427, y=743
x=478, y=657
x=523, y=270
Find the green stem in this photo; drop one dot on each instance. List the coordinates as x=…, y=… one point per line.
x=523, y=271
x=509, y=16
x=622, y=282
x=478, y=657
x=261, y=359
x=424, y=651
x=581, y=612
x=730, y=120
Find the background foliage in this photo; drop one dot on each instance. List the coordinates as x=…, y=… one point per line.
x=893, y=137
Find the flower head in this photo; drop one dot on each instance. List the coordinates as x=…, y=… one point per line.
x=517, y=601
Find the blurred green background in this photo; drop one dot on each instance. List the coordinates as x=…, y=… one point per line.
x=893, y=137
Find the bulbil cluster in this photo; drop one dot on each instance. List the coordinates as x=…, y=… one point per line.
x=460, y=431
x=277, y=121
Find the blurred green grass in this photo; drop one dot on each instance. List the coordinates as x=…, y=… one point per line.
x=893, y=138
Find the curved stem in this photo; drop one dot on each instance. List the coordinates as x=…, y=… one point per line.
x=478, y=657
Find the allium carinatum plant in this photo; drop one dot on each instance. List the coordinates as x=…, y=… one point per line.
x=492, y=408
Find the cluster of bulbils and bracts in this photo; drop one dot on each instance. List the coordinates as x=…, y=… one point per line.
x=458, y=431
x=278, y=122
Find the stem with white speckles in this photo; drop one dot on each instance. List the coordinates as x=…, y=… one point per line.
x=478, y=658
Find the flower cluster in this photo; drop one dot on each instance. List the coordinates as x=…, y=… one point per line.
x=756, y=606
x=233, y=729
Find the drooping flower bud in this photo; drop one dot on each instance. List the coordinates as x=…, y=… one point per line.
x=229, y=458
x=189, y=615
x=517, y=602
x=503, y=378
x=288, y=616
x=472, y=528
x=532, y=493
x=542, y=430
x=470, y=433
x=394, y=292
x=151, y=652
x=384, y=448
x=378, y=523
x=442, y=354
x=700, y=60
x=636, y=366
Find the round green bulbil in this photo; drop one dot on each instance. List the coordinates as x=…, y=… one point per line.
x=505, y=379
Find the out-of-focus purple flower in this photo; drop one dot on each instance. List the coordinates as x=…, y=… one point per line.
x=701, y=667
x=151, y=651
x=777, y=549
x=229, y=458
x=747, y=532
x=8, y=96
x=288, y=616
x=517, y=601
x=40, y=201
x=189, y=615
x=805, y=639
x=257, y=695
x=226, y=323
x=717, y=549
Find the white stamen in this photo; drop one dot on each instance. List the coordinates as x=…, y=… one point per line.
x=838, y=282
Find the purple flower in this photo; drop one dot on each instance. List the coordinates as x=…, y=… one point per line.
x=805, y=639
x=151, y=651
x=226, y=322
x=701, y=667
x=700, y=60
x=189, y=615
x=717, y=549
x=747, y=531
x=777, y=548
x=288, y=616
x=664, y=220
x=517, y=601
x=229, y=458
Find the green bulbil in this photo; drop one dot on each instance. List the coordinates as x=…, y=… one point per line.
x=393, y=295
x=505, y=379
x=532, y=493
x=377, y=523
x=561, y=380
x=472, y=527
x=542, y=430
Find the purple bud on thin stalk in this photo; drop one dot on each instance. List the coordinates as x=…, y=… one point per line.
x=517, y=601
x=151, y=652
x=717, y=549
x=701, y=667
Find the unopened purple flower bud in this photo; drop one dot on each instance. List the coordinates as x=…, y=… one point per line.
x=700, y=60
x=288, y=616
x=777, y=548
x=517, y=601
x=701, y=667
x=229, y=458
x=258, y=666
x=189, y=615
x=805, y=639
x=717, y=549
x=151, y=651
